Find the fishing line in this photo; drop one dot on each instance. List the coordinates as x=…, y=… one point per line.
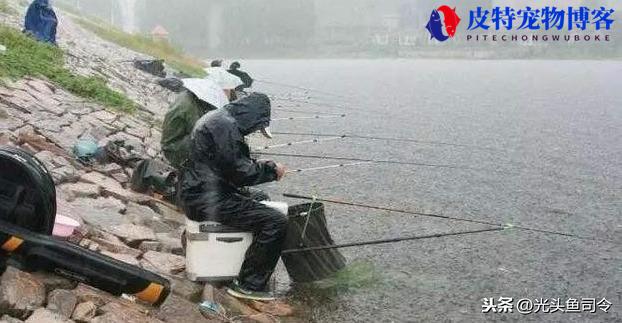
x=384, y=241
x=440, y=143
x=378, y=161
x=303, y=170
x=506, y=226
x=326, y=105
x=329, y=104
x=307, y=112
x=311, y=117
x=293, y=143
x=302, y=88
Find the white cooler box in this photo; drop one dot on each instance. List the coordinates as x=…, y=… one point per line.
x=213, y=251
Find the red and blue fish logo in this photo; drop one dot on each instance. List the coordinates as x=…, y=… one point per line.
x=443, y=28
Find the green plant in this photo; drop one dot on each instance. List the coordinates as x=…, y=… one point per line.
x=28, y=57
x=358, y=274
x=144, y=44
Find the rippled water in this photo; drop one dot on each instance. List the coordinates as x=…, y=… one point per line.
x=546, y=137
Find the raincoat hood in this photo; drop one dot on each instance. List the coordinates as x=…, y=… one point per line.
x=251, y=113
x=41, y=21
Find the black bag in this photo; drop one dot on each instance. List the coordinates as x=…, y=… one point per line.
x=27, y=216
x=313, y=265
x=172, y=83
x=154, y=67
x=124, y=153
x=152, y=176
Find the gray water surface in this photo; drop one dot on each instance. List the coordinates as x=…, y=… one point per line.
x=546, y=137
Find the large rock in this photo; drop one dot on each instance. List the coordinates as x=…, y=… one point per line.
x=169, y=212
x=87, y=293
x=103, y=218
x=20, y=293
x=9, y=319
x=177, y=309
x=110, y=187
x=185, y=288
x=132, y=234
x=171, y=243
x=52, y=281
x=150, y=246
x=111, y=243
x=276, y=308
x=145, y=216
x=128, y=314
x=102, y=203
x=77, y=190
x=105, y=116
x=64, y=174
x=43, y=315
x=47, y=158
x=62, y=301
x=102, y=180
x=84, y=312
x=163, y=262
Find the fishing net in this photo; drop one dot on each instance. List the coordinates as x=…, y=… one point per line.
x=308, y=228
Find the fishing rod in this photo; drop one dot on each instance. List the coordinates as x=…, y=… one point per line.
x=440, y=143
x=311, y=117
x=304, y=170
x=385, y=241
x=293, y=143
x=506, y=226
x=375, y=161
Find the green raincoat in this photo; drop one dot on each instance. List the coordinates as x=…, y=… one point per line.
x=178, y=125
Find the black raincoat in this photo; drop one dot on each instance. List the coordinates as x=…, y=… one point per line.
x=213, y=185
x=246, y=79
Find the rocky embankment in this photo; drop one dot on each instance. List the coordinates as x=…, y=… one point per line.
x=137, y=229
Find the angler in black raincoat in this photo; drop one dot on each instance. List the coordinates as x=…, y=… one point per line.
x=213, y=187
x=246, y=79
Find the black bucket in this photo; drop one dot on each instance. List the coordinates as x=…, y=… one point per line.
x=27, y=191
x=310, y=266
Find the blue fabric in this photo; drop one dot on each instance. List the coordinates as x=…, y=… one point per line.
x=41, y=21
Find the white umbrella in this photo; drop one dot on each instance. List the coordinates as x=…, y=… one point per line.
x=223, y=78
x=207, y=90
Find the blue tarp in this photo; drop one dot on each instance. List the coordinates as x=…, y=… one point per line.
x=41, y=21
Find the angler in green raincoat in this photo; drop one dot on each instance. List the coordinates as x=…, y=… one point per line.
x=187, y=109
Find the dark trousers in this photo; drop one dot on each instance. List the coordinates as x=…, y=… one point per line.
x=269, y=227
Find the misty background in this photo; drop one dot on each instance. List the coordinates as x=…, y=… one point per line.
x=332, y=28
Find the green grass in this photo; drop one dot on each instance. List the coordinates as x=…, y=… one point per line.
x=28, y=57
x=143, y=44
x=6, y=9
x=358, y=274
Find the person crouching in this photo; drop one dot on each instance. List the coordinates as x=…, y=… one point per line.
x=214, y=187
